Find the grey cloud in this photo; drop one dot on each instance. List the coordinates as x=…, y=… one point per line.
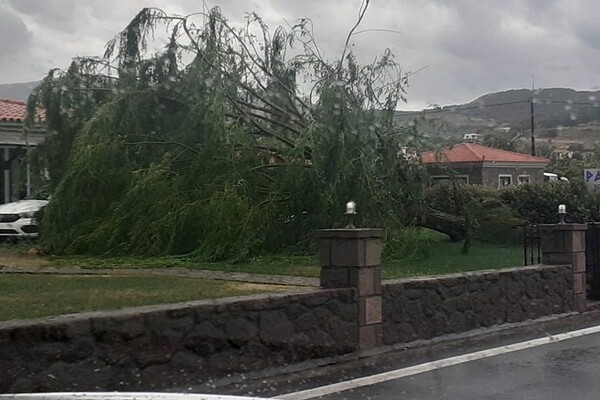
x=56, y=13
x=471, y=47
x=14, y=35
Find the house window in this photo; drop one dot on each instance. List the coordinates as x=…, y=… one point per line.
x=504, y=180
x=524, y=179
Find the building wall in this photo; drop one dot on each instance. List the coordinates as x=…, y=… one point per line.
x=15, y=177
x=491, y=173
x=487, y=174
x=472, y=170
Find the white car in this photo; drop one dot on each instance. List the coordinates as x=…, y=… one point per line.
x=17, y=219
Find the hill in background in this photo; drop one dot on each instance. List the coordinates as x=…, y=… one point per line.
x=562, y=116
x=17, y=91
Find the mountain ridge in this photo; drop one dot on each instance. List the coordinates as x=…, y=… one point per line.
x=17, y=91
x=553, y=107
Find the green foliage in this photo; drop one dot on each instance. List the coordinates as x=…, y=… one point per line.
x=497, y=223
x=538, y=203
x=491, y=219
x=453, y=197
x=411, y=243
x=499, y=212
x=225, y=155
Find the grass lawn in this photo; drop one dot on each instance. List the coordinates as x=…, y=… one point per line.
x=444, y=257
x=33, y=296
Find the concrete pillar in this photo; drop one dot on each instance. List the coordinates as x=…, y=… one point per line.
x=565, y=244
x=352, y=258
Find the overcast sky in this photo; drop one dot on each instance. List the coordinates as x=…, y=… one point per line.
x=470, y=47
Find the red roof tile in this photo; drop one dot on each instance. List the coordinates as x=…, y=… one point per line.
x=14, y=110
x=471, y=152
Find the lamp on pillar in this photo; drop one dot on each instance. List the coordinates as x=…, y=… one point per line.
x=562, y=211
x=350, y=257
x=351, y=213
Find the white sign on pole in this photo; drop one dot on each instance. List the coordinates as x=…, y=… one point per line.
x=591, y=177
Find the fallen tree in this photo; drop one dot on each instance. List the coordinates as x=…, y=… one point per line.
x=233, y=141
x=453, y=226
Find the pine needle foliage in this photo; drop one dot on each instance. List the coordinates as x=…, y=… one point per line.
x=228, y=143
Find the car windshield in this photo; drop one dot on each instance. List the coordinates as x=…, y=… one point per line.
x=299, y=199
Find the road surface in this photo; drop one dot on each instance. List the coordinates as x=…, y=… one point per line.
x=558, y=359
x=567, y=369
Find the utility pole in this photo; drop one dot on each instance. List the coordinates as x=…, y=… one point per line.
x=532, y=116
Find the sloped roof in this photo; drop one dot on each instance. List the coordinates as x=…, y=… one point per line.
x=12, y=110
x=472, y=152
x=15, y=110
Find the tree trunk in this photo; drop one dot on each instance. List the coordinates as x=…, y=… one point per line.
x=453, y=226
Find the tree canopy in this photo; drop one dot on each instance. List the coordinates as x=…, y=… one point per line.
x=226, y=142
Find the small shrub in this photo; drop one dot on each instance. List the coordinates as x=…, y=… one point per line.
x=453, y=197
x=410, y=243
x=537, y=203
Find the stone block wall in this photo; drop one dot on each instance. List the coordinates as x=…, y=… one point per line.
x=423, y=308
x=178, y=345
x=160, y=347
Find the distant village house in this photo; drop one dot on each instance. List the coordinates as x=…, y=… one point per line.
x=471, y=137
x=15, y=178
x=475, y=164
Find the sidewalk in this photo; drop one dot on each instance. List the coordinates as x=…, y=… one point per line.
x=174, y=271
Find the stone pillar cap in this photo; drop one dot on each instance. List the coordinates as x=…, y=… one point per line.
x=350, y=233
x=563, y=227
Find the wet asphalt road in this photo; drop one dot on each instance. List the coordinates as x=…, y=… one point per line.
x=567, y=370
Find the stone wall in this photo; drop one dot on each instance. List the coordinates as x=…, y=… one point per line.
x=178, y=345
x=424, y=308
x=152, y=348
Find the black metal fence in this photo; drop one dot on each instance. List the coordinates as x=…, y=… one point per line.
x=531, y=245
x=592, y=259
x=532, y=254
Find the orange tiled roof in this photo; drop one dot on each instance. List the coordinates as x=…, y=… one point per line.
x=14, y=110
x=471, y=152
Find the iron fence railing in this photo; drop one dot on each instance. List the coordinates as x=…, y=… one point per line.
x=531, y=244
